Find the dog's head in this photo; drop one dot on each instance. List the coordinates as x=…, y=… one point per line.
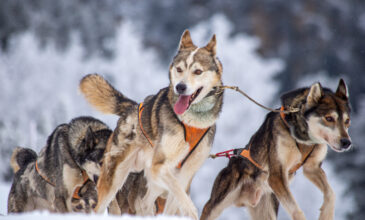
x=328, y=116
x=194, y=73
x=87, y=198
x=91, y=152
x=324, y=117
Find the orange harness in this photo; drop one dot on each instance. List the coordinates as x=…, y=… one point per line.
x=246, y=154
x=192, y=135
x=43, y=177
x=76, y=192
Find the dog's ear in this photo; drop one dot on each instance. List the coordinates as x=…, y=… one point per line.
x=342, y=90
x=185, y=41
x=314, y=94
x=211, y=46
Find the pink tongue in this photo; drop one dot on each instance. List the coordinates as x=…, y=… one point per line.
x=182, y=104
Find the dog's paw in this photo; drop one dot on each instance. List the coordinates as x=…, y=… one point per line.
x=192, y=213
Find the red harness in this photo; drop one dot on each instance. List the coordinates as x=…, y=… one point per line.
x=192, y=135
x=241, y=152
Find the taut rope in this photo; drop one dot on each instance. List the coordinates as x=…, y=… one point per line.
x=235, y=88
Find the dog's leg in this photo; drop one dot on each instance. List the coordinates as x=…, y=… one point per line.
x=114, y=208
x=316, y=175
x=147, y=206
x=266, y=209
x=172, y=206
x=17, y=200
x=225, y=192
x=60, y=203
x=215, y=205
x=280, y=185
x=114, y=172
x=186, y=204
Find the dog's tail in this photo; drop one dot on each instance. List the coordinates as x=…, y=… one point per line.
x=21, y=157
x=103, y=96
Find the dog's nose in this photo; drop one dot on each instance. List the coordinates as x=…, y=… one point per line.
x=181, y=88
x=345, y=143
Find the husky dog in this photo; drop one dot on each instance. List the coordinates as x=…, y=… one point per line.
x=241, y=183
x=285, y=142
x=71, y=156
x=169, y=135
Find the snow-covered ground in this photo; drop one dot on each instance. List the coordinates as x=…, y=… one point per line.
x=38, y=90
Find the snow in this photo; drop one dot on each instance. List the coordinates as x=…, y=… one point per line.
x=38, y=90
x=47, y=216
x=4, y=192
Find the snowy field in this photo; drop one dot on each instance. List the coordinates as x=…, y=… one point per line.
x=38, y=90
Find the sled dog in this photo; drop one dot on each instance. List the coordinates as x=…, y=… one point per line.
x=168, y=136
x=286, y=142
x=71, y=156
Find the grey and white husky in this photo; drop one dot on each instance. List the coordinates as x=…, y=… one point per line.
x=71, y=156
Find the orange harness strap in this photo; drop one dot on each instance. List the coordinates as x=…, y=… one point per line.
x=140, y=110
x=303, y=160
x=76, y=192
x=44, y=177
x=305, y=156
x=76, y=195
x=246, y=154
x=192, y=135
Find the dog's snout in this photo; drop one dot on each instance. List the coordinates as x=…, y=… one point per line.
x=181, y=88
x=345, y=143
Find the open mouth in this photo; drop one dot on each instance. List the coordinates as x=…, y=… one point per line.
x=194, y=95
x=184, y=101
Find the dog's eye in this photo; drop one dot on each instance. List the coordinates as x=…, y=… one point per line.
x=178, y=69
x=198, y=72
x=330, y=119
x=347, y=121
